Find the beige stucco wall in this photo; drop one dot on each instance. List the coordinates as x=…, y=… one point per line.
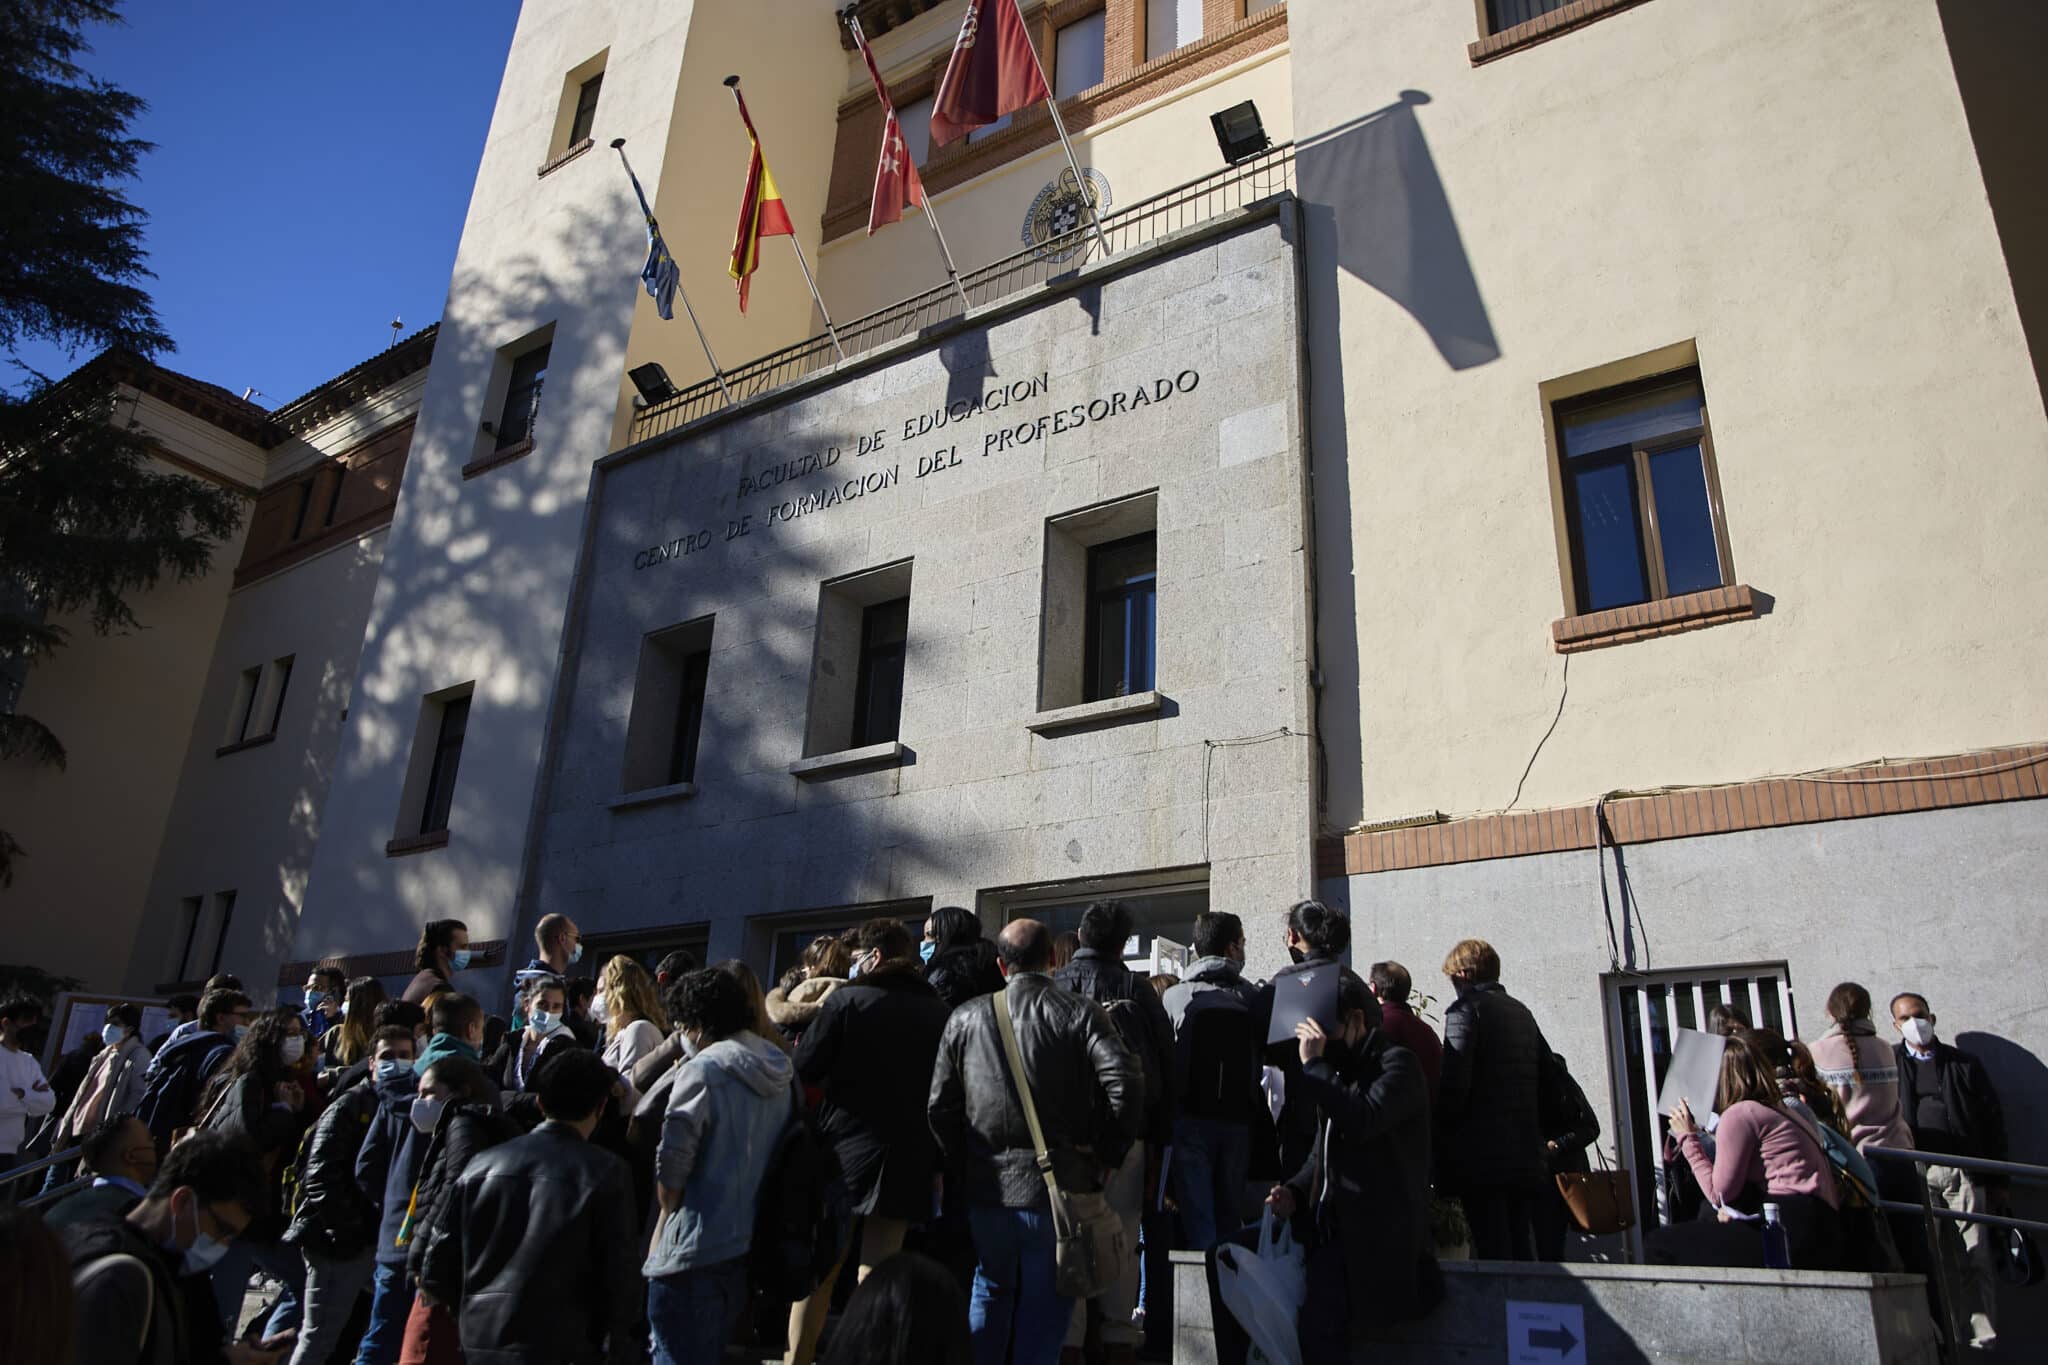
x=1793, y=187
x=124, y=707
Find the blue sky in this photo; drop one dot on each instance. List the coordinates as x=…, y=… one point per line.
x=313, y=166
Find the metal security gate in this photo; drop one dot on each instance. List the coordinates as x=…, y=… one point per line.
x=1644, y=1010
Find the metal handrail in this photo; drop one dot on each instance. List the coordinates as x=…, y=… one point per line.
x=1269, y=173
x=36, y=1201
x=31, y=1167
x=1925, y=1208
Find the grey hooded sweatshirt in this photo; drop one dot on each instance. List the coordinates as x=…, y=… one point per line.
x=726, y=1113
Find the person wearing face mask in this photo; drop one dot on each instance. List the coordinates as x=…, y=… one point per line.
x=140, y=1284
x=628, y=1009
x=332, y=1222
x=177, y=1078
x=519, y=1057
x=258, y=1095
x=959, y=963
x=798, y=997
x=458, y=1113
x=1316, y=937
x=113, y=1085
x=533, y=1254
x=122, y=1161
x=1361, y=1199
x=323, y=996
x=1490, y=1146
x=559, y=945
x=1951, y=1106
x=387, y=1169
x=442, y=952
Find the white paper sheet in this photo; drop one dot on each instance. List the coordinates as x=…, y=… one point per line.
x=1695, y=1073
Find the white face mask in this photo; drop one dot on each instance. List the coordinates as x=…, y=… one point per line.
x=599, y=1007
x=292, y=1049
x=426, y=1112
x=112, y=1034
x=1919, y=1031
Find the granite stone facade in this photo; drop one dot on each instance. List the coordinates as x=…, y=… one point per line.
x=1168, y=382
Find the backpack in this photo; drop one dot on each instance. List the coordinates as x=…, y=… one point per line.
x=1131, y=1027
x=171, y=1100
x=804, y=1216
x=1215, y=1056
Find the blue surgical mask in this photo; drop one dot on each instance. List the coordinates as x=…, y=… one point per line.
x=112, y=1034
x=313, y=999
x=543, y=1022
x=205, y=1252
x=576, y=953
x=926, y=949
x=241, y=1032
x=458, y=960
x=391, y=1068
x=853, y=972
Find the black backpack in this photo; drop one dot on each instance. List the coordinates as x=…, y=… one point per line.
x=171, y=1100
x=1216, y=1058
x=803, y=1221
x=1129, y=1018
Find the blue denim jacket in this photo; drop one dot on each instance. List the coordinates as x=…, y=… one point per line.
x=729, y=1107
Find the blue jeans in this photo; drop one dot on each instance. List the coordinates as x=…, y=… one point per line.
x=231, y=1283
x=1016, y=1312
x=390, y=1306
x=1210, y=1158
x=691, y=1314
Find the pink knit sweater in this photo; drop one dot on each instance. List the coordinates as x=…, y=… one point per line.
x=1756, y=1144
x=1862, y=1069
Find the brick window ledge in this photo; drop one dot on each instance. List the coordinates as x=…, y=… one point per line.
x=1544, y=27
x=1647, y=620
x=416, y=843
x=484, y=464
x=566, y=157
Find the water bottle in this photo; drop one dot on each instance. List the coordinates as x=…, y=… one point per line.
x=1777, y=1246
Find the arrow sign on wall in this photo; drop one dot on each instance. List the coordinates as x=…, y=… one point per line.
x=1546, y=1333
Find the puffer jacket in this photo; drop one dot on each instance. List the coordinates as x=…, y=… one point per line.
x=727, y=1110
x=793, y=1010
x=1085, y=1084
x=537, y=1259
x=1104, y=978
x=961, y=974
x=332, y=1215
x=1863, y=1071
x=464, y=1131
x=1489, y=1100
x=247, y=1109
x=870, y=1050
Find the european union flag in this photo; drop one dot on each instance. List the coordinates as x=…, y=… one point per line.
x=659, y=274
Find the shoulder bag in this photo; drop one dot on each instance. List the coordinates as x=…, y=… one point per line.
x=1600, y=1202
x=1090, y=1251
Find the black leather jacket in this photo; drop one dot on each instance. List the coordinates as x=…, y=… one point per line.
x=961, y=974
x=1489, y=1106
x=1085, y=1083
x=332, y=1216
x=1103, y=977
x=540, y=1257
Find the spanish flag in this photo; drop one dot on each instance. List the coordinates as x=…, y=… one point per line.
x=761, y=210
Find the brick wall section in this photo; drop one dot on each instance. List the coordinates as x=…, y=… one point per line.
x=1646, y=620
x=398, y=962
x=2018, y=773
x=369, y=494
x=1544, y=27
x=859, y=136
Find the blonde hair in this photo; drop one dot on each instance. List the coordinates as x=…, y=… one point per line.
x=1473, y=957
x=630, y=993
x=828, y=955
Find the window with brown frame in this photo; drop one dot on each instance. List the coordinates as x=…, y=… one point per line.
x=1642, y=497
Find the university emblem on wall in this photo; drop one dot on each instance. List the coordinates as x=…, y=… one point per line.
x=1060, y=210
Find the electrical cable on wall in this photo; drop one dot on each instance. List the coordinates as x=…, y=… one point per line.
x=1530, y=766
x=1209, y=748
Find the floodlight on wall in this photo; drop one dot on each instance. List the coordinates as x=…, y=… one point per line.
x=1239, y=132
x=653, y=383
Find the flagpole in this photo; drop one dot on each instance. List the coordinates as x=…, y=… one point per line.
x=851, y=15
x=1059, y=126
x=619, y=146
x=732, y=83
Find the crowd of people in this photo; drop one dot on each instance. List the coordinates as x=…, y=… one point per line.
x=874, y=1159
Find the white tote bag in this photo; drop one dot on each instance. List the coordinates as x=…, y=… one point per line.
x=1263, y=1290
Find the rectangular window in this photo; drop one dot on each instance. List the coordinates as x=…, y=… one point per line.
x=245, y=703
x=440, y=794
x=878, y=691
x=915, y=118
x=1123, y=592
x=189, y=911
x=667, y=719
x=304, y=505
x=1644, y=1015
x=280, y=679
x=1171, y=25
x=1077, y=56
x=858, y=661
x=989, y=129
x=586, y=109
x=1501, y=14
x=224, y=915
x=522, y=397
x=1641, y=495
x=334, y=493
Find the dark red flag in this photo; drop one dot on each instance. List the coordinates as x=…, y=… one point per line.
x=994, y=71
x=897, y=185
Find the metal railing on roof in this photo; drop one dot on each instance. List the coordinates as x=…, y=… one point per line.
x=1260, y=177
